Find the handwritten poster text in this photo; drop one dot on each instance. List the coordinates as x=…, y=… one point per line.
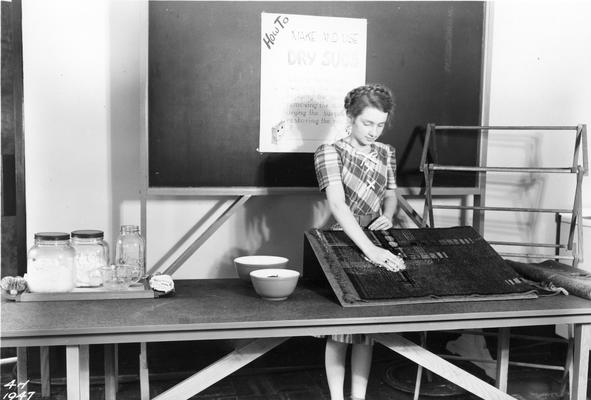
x=308, y=64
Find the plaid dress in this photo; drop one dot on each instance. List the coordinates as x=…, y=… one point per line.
x=365, y=178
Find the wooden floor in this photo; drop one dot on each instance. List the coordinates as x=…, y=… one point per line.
x=310, y=385
x=292, y=371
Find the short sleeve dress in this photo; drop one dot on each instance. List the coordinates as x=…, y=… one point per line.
x=366, y=177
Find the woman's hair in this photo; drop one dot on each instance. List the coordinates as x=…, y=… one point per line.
x=371, y=95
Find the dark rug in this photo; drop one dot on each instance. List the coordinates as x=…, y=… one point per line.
x=453, y=261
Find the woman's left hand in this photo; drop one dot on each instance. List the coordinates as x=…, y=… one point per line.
x=380, y=223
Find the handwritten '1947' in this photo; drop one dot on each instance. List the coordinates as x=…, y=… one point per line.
x=13, y=389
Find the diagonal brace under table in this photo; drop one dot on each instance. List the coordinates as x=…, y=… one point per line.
x=440, y=366
x=220, y=369
x=205, y=235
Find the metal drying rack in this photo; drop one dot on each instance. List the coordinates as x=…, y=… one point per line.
x=579, y=167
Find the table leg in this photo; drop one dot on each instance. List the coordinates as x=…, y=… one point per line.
x=116, y=368
x=21, y=368
x=419, y=376
x=45, y=372
x=77, y=372
x=144, y=373
x=582, y=340
x=503, y=339
x=440, y=366
x=110, y=362
x=567, y=375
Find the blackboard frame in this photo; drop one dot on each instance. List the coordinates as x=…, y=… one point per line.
x=470, y=186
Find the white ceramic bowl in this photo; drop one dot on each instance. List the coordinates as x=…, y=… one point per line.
x=246, y=264
x=274, y=284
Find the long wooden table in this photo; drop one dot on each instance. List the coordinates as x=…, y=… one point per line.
x=230, y=309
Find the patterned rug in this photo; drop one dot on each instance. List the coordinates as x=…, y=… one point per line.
x=453, y=261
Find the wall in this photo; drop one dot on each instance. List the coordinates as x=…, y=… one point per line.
x=83, y=75
x=83, y=90
x=539, y=76
x=67, y=115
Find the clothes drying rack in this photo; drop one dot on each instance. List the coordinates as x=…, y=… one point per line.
x=579, y=168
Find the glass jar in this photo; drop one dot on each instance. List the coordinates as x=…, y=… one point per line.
x=92, y=254
x=129, y=249
x=50, y=263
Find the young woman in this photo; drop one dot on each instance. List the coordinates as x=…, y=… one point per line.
x=357, y=173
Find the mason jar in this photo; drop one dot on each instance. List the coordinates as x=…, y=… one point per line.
x=50, y=263
x=91, y=254
x=130, y=248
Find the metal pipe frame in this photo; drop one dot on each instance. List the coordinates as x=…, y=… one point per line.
x=580, y=169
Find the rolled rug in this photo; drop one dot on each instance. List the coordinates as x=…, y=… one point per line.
x=575, y=280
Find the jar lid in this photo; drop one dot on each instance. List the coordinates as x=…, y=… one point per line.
x=52, y=235
x=88, y=234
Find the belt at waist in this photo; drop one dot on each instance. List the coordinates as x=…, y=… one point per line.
x=366, y=219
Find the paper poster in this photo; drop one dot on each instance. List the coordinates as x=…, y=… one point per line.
x=308, y=64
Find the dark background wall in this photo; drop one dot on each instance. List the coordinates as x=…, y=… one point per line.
x=204, y=84
x=13, y=222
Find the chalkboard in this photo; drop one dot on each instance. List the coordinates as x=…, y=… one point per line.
x=204, y=88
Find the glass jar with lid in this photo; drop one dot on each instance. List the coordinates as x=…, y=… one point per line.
x=50, y=263
x=91, y=254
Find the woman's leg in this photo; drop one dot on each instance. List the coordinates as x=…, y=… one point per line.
x=334, y=360
x=360, y=365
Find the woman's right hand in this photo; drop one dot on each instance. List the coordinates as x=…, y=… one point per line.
x=385, y=258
